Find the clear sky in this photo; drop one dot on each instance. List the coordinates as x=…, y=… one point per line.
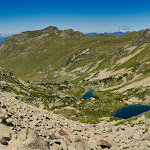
x=83, y=15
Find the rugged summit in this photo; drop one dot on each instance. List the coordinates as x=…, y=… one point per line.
x=29, y=35
x=71, y=34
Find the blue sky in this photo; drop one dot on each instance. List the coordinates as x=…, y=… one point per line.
x=85, y=16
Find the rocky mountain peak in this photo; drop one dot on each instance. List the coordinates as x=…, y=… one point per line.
x=29, y=35
x=71, y=34
x=50, y=29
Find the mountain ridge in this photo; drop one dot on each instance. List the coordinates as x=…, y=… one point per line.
x=62, y=39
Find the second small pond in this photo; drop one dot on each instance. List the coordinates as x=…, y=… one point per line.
x=130, y=111
x=88, y=94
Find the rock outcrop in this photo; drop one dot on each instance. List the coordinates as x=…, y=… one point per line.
x=145, y=35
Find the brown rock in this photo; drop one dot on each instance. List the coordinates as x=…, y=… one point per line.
x=62, y=132
x=104, y=144
x=11, y=111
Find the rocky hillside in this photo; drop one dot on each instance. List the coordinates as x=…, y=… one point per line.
x=9, y=83
x=25, y=127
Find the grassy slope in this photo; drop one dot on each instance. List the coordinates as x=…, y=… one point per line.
x=33, y=58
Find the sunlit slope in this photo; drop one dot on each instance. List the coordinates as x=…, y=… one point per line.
x=66, y=64
x=39, y=54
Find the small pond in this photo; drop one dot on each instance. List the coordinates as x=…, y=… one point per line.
x=130, y=111
x=88, y=94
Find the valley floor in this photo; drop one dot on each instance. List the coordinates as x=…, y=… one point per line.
x=25, y=127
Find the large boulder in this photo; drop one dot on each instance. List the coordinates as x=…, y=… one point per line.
x=6, y=134
x=28, y=139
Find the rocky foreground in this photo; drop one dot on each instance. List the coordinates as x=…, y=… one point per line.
x=25, y=127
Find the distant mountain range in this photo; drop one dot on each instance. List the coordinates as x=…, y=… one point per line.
x=116, y=34
x=90, y=34
x=5, y=35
